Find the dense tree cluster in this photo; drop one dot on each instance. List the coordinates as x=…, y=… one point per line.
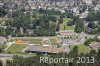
x=2, y=12
x=93, y=20
x=42, y=25
x=88, y=41
x=49, y=12
x=93, y=16
x=42, y=22
x=79, y=27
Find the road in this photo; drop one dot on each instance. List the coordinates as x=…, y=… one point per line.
x=33, y=37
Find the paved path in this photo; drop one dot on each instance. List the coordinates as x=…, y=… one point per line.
x=9, y=44
x=33, y=37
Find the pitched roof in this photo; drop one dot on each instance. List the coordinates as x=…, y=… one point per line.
x=44, y=49
x=97, y=45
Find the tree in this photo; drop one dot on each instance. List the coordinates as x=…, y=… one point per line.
x=83, y=8
x=0, y=50
x=52, y=18
x=99, y=22
x=79, y=27
x=70, y=23
x=98, y=55
x=57, y=27
x=88, y=41
x=61, y=20
x=93, y=53
x=98, y=29
x=64, y=27
x=94, y=2
x=0, y=63
x=91, y=25
x=91, y=17
x=2, y=12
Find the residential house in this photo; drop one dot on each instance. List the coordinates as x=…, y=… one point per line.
x=94, y=46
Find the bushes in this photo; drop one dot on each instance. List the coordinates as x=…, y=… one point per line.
x=0, y=50
x=88, y=41
x=2, y=12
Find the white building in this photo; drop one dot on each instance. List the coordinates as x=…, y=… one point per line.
x=66, y=32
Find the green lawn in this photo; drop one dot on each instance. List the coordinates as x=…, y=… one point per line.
x=53, y=41
x=3, y=46
x=16, y=48
x=65, y=20
x=81, y=48
x=35, y=41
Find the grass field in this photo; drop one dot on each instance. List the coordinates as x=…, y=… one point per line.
x=81, y=48
x=35, y=41
x=53, y=41
x=65, y=20
x=16, y=48
x=3, y=46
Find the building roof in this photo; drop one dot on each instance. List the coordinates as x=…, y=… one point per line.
x=94, y=46
x=66, y=31
x=44, y=49
x=32, y=48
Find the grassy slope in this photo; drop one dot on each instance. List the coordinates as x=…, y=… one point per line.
x=81, y=48
x=16, y=48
